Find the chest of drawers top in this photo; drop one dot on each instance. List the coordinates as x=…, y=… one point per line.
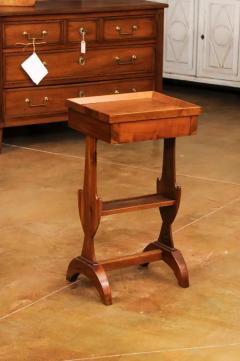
x=79, y=6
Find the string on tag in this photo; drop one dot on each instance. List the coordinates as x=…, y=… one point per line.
x=33, y=44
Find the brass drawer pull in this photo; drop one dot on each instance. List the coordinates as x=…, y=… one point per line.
x=119, y=30
x=116, y=91
x=30, y=37
x=126, y=62
x=81, y=60
x=81, y=94
x=31, y=105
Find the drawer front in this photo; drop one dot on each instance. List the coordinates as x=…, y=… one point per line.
x=73, y=65
x=51, y=100
x=130, y=28
x=31, y=101
x=46, y=32
x=76, y=28
x=116, y=87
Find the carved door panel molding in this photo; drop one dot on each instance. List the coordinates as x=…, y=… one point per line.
x=218, y=44
x=180, y=37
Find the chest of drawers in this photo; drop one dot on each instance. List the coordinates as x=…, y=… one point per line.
x=124, y=54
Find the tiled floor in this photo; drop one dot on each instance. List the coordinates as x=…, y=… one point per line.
x=43, y=318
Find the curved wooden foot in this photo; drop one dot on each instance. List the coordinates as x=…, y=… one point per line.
x=95, y=273
x=175, y=261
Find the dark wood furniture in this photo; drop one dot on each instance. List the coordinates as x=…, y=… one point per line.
x=122, y=119
x=124, y=53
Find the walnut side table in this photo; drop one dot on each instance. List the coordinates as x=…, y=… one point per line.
x=129, y=118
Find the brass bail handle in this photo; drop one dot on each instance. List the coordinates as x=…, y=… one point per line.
x=121, y=32
x=30, y=37
x=116, y=91
x=33, y=40
x=126, y=62
x=44, y=103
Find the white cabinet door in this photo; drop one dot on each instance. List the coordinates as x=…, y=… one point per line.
x=218, y=43
x=180, y=37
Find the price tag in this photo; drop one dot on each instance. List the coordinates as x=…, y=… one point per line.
x=83, y=47
x=34, y=67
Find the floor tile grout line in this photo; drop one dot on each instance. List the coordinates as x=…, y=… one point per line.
x=208, y=214
x=208, y=179
x=118, y=163
x=43, y=151
x=37, y=301
x=164, y=350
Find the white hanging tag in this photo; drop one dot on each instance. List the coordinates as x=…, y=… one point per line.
x=34, y=67
x=83, y=47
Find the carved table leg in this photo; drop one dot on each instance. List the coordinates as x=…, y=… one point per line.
x=90, y=209
x=167, y=187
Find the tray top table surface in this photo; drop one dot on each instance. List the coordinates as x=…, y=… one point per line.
x=120, y=108
x=128, y=117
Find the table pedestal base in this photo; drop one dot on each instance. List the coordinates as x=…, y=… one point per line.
x=92, y=208
x=96, y=272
